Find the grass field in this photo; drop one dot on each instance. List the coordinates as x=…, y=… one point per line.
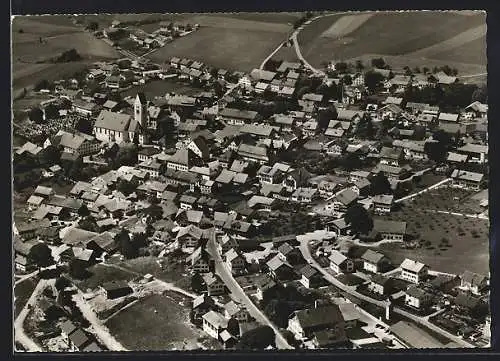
x=160, y=88
x=102, y=274
x=22, y=292
x=58, y=34
x=467, y=237
x=473, y=52
x=385, y=33
x=156, y=323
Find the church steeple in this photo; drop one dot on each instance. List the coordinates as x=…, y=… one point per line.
x=140, y=109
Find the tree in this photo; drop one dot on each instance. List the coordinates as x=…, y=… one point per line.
x=75, y=170
x=127, y=155
x=425, y=70
x=325, y=116
x=373, y=80
x=359, y=65
x=378, y=63
x=36, y=115
x=88, y=224
x=350, y=161
x=257, y=339
x=380, y=184
x=77, y=269
x=358, y=218
x=139, y=240
x=341, y=67
x=416, y=70
x=92, y=26
x=365, y=129
x=51, y=155
x=51, y=112
x=83, y=211
x=197, y=283
x=126, y=247
x=480, y=94
x=41, y=254
x=347, y=79
x=61, y=283
x=436, y=151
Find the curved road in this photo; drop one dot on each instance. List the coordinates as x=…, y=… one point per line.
x=233, y=286
x=351, y=290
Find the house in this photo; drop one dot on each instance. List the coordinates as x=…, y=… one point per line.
x=147, y=154
x=265, y=287
x=234, y=116
x=181, y=160
x=350, y=314
x=213, y=284
x=379, y=285
x=200, y=261
x=398, y=83
x=374, y=262
x=456, y=158
x=44, y=192
x=413, y=271
x=357, y=175
x=152, y=167
x=304, y=323
x=214, y=323
x=235, y=262
x=468, y=180
x=448, y=118
x=78, y=340
x=476, y=110
x=280, y=270
x=285, y=122
x=189, y=237
x=79, y=144
x=343, y=200
x=116, y=289
x=477, y=153
x=390, y=230
x=233, y=310
x=310, y=277
x=473, y=282
x=391, y=156
x=411, y=149
x=84, y=108
x=393, y=173
x=297, y=178
x=339, y=226
x=468, y=304
x=199, y=147
x=417, y=298
x=253, y=153
x=382, y=203
x=340, y=263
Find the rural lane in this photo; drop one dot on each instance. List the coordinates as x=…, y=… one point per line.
x=101, y=331
x=351, y=290
x=236, y=290
x=413, y=195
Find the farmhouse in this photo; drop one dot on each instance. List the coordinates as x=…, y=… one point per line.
x=380, y=284
x=116, y=289
x=238, y=117
x=374, y=262
x=213, y=284
x=340, y=263
x=235, y=262
x=413, y=271
x=467, y=180
x=391, y=230
x=417, y=298
x=214, y=323
x=233, y=310
x=304, y=323
x=477, y=153
x=382, y=203
x=310, y=278
x=473, y=282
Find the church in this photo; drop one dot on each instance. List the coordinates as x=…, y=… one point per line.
x=121, y=127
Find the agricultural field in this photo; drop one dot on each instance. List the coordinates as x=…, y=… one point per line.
x=226, y=42
x=156, y=323
x=446, y=240
x=386, y=34
x=57, y=34
x=472, y=52
x=155, y=88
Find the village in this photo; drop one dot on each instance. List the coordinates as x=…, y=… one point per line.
x=178, y=206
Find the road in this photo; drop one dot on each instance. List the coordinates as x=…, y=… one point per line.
x=477, y=216
x=351, y=290
x=233, y=286
x=19, y=334
x=25, y=277
x=99, y=329
x=413, y=195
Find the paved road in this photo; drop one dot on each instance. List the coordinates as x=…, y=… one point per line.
x=19, y=334
x=233, y=286
x=25, y=277
x=351, y=290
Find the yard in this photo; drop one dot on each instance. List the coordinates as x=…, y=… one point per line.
x=22, y=292
x=416, y=30
x=156, y=323
x=232, y=48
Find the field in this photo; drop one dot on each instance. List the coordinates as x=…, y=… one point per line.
x=473, y=52
x=449, y=243
x=230, y=41
x=22, y=292
x=156, y=323
x=58, y=34
x=156, y=88
x=387, y=33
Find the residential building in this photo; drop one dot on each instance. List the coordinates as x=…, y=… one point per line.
x=374, y=262
x=473, y=282
x=213, y=284
x=382, y=203
x=468, y=180
x=413, y=271
x=304, y=323
x=340, y=263
x=380, y=284
x=235, y=262
x=390, y=230
x=417, y=298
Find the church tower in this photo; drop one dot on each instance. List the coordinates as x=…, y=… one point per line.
x=140, y=110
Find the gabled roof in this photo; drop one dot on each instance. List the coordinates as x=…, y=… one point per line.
x=467, y=176
x=415, y=291
x=314, y=318
x=411, y=265
x=308, y=271
x=113, y=121
x=337, y=258
x=372, y=256
x=259, y=74
x=473, y=278
x=346, y=196
x=238, y=114
x=474, y=148
x=386, y=199
x=384, y=226
x=215, y=319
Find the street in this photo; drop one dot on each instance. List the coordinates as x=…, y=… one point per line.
x=233, y=286
x=351, y=290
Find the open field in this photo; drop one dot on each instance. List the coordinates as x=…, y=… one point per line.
x=385, y=33
x=156, y=323
x=462, y=234
x=472, y=52
x=102, y=274
x=156, y=88
x=230, y=48
x=22, y=292
x=346, y=25
x=286, y=53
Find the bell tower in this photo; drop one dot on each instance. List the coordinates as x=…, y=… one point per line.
x=140, y=110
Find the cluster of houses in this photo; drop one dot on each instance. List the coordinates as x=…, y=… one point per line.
x=225, y=176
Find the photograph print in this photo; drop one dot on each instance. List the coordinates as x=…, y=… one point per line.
x=250, y=181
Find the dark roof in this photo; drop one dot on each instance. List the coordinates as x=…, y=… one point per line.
x=317, y=317
x=308, y=271
x=467, y=301
x=372, y=256
x=285, y=249
x=115, y=285
x=79, y=338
